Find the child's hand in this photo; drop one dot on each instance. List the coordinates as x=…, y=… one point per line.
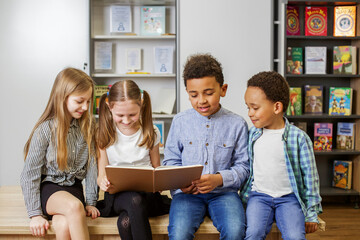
x=38, y=226
x=92, y=212
x=190, y=189
x=208, y=182
x=311, y=227
x=104, y=184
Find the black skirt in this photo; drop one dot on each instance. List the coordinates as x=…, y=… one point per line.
x=49, y=188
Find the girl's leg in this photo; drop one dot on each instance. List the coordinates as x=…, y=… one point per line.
x=290, y=218
x=61, y=227
x=259, y=216
x=124, y=228
x=65, y=204
x=228, y=215
x=134, y=205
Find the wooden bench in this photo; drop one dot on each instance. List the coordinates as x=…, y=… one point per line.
x=14, y=222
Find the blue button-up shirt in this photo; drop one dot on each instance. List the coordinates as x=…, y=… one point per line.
x=218, y=142
x=301, y=167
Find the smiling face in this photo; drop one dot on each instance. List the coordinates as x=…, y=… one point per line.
x=204, y=94
x=78, y=103
x=263, y=112
x=126, y=115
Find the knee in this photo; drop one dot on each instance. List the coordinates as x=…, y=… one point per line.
x=233, y=232
x=60, y=225
x=177, y=233
x=255, y=233
x=76, y=208
x=294, y=235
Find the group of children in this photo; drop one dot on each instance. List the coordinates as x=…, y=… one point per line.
x=272, y=165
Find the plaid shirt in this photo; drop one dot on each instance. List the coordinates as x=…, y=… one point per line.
x=301, y=167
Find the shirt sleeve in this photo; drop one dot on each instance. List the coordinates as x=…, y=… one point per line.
x=311, y=193
x=238, y=173
x=157, y=135
x=91, y=188
x=30, y=177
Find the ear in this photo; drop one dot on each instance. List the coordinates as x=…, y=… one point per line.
x=278, y=108
x=223, y=90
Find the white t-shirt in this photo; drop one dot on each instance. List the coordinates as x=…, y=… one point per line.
x=270, y=173
x=125, y=151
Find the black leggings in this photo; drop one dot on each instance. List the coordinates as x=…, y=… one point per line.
x=133, y=222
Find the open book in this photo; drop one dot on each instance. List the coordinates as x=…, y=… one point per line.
x=149, y=179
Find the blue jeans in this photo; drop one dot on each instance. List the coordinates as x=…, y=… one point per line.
x=262, y=210
x=187, y=212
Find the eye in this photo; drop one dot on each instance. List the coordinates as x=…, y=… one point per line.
x=210, y=93
x=193, y=96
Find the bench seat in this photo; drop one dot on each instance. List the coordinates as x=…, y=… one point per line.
x=14, y=222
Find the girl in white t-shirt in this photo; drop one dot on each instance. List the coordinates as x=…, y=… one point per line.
x=127, y=136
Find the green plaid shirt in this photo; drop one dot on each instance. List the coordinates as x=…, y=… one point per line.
x=301, y=167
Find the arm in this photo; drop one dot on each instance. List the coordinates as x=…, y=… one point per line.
x=91, y=189
x=30, y=179
x=102, y=180
x=310, y=193
x=155, y=156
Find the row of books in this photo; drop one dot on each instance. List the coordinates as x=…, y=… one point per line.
x=340, y=100
x=316, y=19
x=344, y=60
x=323, y=135
x=152, y=20
x=103, y=58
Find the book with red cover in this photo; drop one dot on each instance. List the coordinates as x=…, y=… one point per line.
x=316, y=21
x=292, y=20
x=323, y=134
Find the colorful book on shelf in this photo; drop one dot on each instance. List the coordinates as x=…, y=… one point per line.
x=315, y=21
x=149, y=179
x=345, y=137
x=323, y=133
x=295, y=104
x=120, y=19
x=301, y=125
x=344, y=60
x=315, y=60
x=292, y=20
x=294, y=60
x=313, y=99
x=152, y=20
x=340, y=101
x=99, y=90
x=342, y=171
x=344, y=21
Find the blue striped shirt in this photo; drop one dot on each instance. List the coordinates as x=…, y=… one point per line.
x=218, y=142
x=41, y=161
x=301, y=167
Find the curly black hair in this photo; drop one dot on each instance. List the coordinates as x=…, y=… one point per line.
x=273, y=85
x=203, y=65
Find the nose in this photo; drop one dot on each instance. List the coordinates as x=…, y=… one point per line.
x=126, y=120
x=85, y=106
x=202, y=99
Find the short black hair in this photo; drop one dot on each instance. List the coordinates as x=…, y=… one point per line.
x=273, y=85
x=203, y=65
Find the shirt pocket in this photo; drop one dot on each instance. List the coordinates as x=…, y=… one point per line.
x=191, y=153
x=223, y=152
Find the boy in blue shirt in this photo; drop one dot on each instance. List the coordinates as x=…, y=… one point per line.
x=284, y=182
x=216, y=138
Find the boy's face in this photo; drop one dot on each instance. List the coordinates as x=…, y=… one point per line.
x=263, y=112
x=204, y=94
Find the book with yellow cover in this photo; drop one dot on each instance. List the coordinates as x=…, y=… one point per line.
x=344, y=21
x=149, y=179
x=342, y=174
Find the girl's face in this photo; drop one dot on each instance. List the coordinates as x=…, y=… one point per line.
x=126, y=115
x=77, y=103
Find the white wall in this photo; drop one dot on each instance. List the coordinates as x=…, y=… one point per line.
x=38, y=39
x=237, y=33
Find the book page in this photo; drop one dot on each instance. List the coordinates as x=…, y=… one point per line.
x=164, y=59
x=103, y=56
x=120, y=19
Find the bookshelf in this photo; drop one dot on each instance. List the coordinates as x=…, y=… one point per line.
x=324, y=159
x=159, y=85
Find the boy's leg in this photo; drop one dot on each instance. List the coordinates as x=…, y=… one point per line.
x=187, y=212
x=64, y=203
x=289, y=217
x=259, y=216
x=227, y=213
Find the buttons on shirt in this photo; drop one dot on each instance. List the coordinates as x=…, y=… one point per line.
x=224, y=145
x=206, y=163
x=206, y=144
x=190, y=143
x=207, y=126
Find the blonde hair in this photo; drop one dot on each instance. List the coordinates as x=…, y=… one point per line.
x=122, y=91
x=68, y=81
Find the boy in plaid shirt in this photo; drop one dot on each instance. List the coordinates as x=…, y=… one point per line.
x=284, y=184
